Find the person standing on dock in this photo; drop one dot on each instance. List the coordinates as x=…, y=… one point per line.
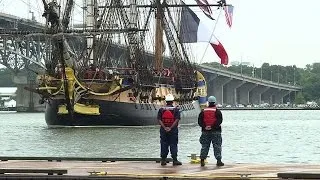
x=169, y=117
x=210, y=119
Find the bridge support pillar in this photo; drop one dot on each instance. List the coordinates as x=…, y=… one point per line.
x=210, y=78
x=230, y=91
x=215, y=88
x=256, y=93
x=290, y=97
x=279, y=96
x=268, y=96
x=243, y=93
x=26, y=101
x=210, y=84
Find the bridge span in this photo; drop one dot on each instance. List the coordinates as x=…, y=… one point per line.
x=17, y=52
x=233, y=88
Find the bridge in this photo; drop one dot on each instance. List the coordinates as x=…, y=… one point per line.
x=18, y=52
x=233, y=88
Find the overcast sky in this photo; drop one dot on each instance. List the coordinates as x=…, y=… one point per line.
x=281, y=32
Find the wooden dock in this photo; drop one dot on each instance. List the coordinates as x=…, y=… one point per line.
x=133, y=168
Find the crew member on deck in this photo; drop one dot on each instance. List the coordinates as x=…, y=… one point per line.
x=90, y=72
x=168, y=118
x=100, y=74
x=210, y=119
x=58, y=71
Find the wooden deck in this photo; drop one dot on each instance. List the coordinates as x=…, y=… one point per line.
x=153, y=170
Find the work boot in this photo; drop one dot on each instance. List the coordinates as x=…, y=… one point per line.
x=163, y=162
x=202, y=163
x=176, y=162
x=220, y=163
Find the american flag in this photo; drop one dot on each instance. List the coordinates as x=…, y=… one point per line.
x=203, y=5
x=228, y=13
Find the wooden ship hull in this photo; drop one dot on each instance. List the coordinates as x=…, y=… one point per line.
x=116, y=114
x=118, y=107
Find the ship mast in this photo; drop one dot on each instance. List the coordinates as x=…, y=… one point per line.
x=133, y=43
x=91, y=15
x=158, y=64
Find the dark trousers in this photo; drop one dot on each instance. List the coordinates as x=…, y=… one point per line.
x=169, y=140
x=208, y=137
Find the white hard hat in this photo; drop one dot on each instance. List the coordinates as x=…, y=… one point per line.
x=169, y=97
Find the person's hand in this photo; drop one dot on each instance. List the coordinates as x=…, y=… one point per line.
x=207, y=128
x=167, y=129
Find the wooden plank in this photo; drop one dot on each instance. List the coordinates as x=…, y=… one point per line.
x=59, y=159
x=298, y=175
x=148, y=170
x=45, y=171
x=74, y=177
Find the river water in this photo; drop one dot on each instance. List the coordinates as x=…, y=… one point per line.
x=249, y=136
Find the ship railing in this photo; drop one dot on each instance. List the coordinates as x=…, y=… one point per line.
x=149, y=85
x=164, y=85
x=96, y=80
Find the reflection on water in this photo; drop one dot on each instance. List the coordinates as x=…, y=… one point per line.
x=248, y=136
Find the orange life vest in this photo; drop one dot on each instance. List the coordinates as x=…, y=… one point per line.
x=168, y=116
x=209, y=116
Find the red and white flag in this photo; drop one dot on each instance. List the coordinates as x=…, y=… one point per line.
x=192, y=30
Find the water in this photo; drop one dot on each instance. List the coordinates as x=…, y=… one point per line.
x=248, y=137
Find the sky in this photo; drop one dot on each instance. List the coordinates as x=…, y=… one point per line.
x=278, y=32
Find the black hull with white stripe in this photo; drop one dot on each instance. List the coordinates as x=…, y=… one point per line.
x=117, y=114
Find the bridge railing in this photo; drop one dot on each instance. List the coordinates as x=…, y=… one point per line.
x=20, y=20
x=245, y=77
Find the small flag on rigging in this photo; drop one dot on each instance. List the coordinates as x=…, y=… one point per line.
x=204, y=6
x=228, y=13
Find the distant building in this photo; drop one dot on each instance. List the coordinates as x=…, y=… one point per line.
x=7, y=94
x=247, y=63
x=11, y=103
x=8, y=91
x=237, y=63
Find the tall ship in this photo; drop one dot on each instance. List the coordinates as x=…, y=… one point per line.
x=117, y=66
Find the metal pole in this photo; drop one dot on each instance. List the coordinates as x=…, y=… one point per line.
x=253, y=71
x=90, y=25
x=294, y=76
x=241, y=65
x=278, y=74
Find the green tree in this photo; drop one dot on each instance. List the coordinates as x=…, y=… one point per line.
x=299, y=98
